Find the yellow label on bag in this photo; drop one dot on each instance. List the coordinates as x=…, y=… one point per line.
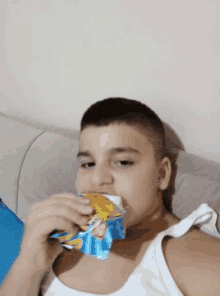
x=77, y=243
x=103, y=207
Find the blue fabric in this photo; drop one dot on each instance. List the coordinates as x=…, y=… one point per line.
x=11, y=234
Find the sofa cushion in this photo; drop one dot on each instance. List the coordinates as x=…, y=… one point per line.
x=50, y=167
x=198, y=166
x=197, y=182
x=17, y=138
x=191, y=191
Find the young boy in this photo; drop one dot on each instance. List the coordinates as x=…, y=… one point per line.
x=122, y=151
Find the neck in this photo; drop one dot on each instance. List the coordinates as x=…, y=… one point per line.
x=142, y=233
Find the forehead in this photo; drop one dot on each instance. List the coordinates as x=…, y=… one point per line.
x=114, y=136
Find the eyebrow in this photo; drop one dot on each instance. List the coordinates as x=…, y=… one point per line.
x=110, y=151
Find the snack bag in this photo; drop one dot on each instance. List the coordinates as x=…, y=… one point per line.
x=95, y=238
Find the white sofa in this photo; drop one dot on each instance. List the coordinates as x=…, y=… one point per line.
x=38, y=161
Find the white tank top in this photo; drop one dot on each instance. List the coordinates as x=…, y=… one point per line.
x=152, y=275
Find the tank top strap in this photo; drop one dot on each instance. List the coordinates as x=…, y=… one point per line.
x=204, y=216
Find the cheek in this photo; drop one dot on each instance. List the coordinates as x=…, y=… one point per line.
x=78, y=183
x=140, y=191
x=83, y=181
x=141, y=180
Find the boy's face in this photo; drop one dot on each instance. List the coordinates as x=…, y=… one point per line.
x=133, y=176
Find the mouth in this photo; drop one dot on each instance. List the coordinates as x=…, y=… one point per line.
x=101, y=193
x=114, y=198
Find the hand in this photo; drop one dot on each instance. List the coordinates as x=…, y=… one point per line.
x=60, y=212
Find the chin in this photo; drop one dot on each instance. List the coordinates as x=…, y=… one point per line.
x=130, y=224
x=135, y=224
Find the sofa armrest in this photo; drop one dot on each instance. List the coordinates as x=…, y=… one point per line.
x=16, y=138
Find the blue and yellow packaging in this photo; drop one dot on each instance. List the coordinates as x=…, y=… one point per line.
x=95, y=238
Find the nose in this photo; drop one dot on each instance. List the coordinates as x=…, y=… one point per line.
x=101, y=175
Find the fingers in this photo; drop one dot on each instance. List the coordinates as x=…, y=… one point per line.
x=69, y=207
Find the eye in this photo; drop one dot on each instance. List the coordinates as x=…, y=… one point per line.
x=128, y=162
x=83, y=165
x=124, y=162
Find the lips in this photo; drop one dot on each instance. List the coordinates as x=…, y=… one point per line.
x=102, y=192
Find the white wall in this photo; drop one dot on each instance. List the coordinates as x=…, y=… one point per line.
x=59, y=57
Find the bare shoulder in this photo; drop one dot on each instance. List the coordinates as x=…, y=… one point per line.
x=194, y=262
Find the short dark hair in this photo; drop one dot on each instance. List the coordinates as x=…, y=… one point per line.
x=117, y=110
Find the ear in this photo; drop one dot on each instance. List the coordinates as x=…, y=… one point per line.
x=164, y=173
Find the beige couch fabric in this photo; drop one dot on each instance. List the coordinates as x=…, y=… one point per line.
x=49, y=167
x=16, y=139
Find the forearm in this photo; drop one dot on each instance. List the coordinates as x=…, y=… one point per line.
x=22, y=280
